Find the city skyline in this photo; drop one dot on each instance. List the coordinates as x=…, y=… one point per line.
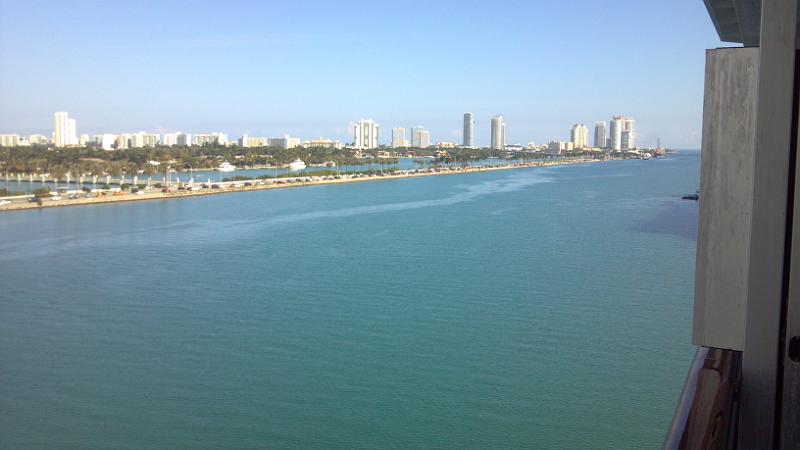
x=176, y=88
x=365, y=135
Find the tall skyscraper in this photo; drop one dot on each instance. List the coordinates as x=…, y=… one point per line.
x=600, y=134
x=399, y=138
x=579, y=135
x=617, y=123
x=61, y=131
x=469, y=124
x=420, y=137
x=498, y=133
x=365, y=134
x=628, y=141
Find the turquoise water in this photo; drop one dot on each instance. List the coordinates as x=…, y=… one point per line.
x=533, y=308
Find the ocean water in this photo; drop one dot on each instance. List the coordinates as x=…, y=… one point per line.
x=532, y=308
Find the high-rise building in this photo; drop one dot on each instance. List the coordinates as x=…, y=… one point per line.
x=579, y=136
x=420, y=137
x=600, y=134
x=183, y=139
x=498, y=133
x=365, y=134
x=628, y=141
x=72, y=132
x=123, y=141
x=169, y=139
x=617, y=124
x=469, y=126
x=107, y=141
x=9, y=140
x=399, y=138
x=284, y=142
x=83, y=140
x=61, y=129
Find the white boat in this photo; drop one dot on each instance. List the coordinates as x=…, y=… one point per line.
x=4, y=202
x=297, y=165
x=226, y=167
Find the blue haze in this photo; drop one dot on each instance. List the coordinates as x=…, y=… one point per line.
x=309, y=68
x=535, y=308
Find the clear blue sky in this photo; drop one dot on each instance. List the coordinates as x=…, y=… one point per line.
x=309, y=68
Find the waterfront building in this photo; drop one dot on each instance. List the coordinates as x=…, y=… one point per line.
x=469, y=128
x=629, y=134
x=83, y=140
x=284, y=142
x=72, y=132
x=322, y=143
x=600, y=134
x=579, y=136
x=365, y=134
x=555, y=147
x=209, y=139
x=9, y=140
x=617, y=124
x=420, y=137
x=399, y=138
x=498, y=133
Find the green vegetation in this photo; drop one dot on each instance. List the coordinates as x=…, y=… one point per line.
x=41, y=192
x=6, y=193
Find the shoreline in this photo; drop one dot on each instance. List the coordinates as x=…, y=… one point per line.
x=279, y=183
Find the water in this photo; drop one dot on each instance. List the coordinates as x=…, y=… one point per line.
x=533, y=308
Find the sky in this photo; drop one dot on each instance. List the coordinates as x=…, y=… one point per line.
x=311, y=68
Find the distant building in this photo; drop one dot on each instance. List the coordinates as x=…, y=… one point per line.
x=210, y=139
x=183, y=139
x=555, y=147
x=420, y=137
x=365, y=134
x=628, y=141
x=169, y=139
x=579, y=136
x=38, y=139
x=64, y=130
x=399, y=138
x=83, y=140
x=600, y=134
x=123, y=141
x=469, y=127
x=322, y=143
x=617, y=124
x=107, y=141
x=9, y=140
x=498, y=133
x=284, y=142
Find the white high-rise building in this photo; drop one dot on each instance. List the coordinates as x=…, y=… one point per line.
x=9, y=140
x=123, y=141
x=365, y=134
x=184, y=139
x=600, y=134
x=284, y=142
x=579, y=136
x=107, y=141
x=420, y=137
x=72, y=132
x=629, y=135
x=61, y=129
x=83, y=140
x=399, y=138
x=469, y=127
x=169, y=139
x=617, y=124
x=498, y=133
